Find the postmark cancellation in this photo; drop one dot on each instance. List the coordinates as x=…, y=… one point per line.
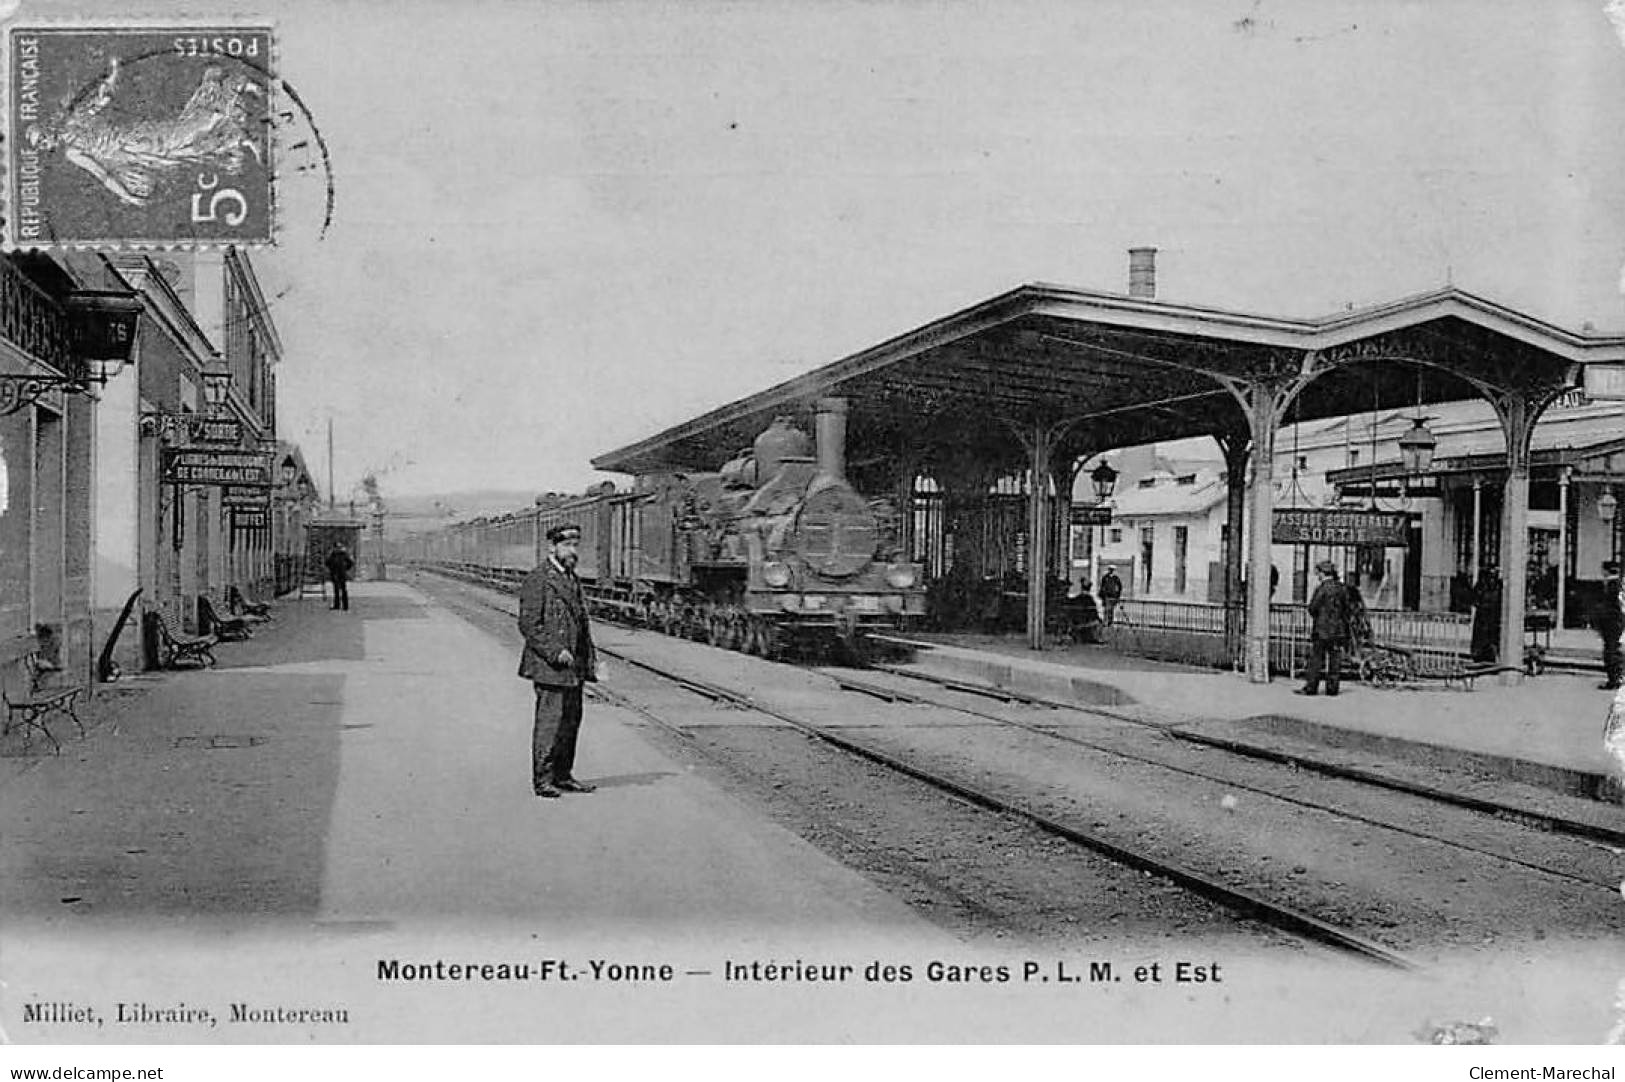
x=139, y=136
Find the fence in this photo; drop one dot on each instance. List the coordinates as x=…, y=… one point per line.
x=1194, y=633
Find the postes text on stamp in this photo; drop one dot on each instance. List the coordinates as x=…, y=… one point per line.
x=139, y=136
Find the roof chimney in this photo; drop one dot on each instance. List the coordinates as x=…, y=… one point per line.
x=1142, y=273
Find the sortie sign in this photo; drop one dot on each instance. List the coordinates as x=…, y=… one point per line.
x=196, y=467
x=1389, y=529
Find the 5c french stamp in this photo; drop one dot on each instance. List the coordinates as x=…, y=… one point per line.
x=139, y=136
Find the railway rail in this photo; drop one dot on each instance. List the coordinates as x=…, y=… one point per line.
x=1241, y=901
x=850, y=682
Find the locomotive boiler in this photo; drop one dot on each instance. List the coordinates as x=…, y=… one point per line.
x=775, y=546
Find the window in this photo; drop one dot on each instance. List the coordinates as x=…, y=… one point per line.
x=1182, y=538
x=1354, y=456
x=1114, y=536
x=1148, y=482
x=1303, y=462
x=1148, y=549
x=1185, y=479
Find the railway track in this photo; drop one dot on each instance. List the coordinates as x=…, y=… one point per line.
x=1529, y=816
x=1243, y=902
x=890, y=692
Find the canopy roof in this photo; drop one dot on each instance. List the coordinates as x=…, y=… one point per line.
x=1131, y=370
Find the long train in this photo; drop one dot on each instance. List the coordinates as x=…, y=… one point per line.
x=773, y=548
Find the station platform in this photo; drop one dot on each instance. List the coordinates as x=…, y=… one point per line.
x=350, y=789
x=1545, y=731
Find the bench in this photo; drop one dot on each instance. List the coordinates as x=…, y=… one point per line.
x=224, y=628
x=30, y=701
x=175, y=646
x=238, y=605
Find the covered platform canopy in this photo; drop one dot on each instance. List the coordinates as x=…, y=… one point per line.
x=1042, y=377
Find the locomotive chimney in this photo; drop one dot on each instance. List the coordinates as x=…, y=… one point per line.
x=1142, y=273
x=831, y=429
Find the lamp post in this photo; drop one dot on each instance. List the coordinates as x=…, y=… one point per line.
x=378, y=538
x=1608, y=511
x=1104, y=479
x=216, y=385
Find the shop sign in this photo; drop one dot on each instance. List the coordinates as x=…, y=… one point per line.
x=245, y=496
x=1389, y=529
x=216, y=430
x=185, y=466
x=250, y=518
x=1091, y=516
x=1605, y=381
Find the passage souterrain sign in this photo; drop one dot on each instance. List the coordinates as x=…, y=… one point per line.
x=190, y=466
x=1318, y=526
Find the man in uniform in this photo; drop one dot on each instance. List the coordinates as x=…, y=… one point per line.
x=1610, y=622
x=1329, y=631
x=1111, y=592
x=558, y=658
x=339, y=566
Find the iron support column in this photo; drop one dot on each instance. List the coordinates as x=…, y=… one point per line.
x=1040, y=443
x=1474, y=562
x=1264, y=399
x=1562, y=542
x=1235, y=449
x=1262, y=417
x=1517, y=423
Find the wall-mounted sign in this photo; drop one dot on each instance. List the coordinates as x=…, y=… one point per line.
x=216, y=430
x=249, y=518
x=187, y=466
x=1605, y=381
x=1091, y=516
x=245, y=496
x=1291, y=526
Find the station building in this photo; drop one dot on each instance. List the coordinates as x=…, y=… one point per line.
x=982, y=423
x=1167, y=537
x=108, y=367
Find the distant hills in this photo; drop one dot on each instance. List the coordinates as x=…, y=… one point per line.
x=415, y=514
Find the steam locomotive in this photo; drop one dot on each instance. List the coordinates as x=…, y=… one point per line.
x=774, y=548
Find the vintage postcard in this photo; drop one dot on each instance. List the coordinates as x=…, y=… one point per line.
x=858, y=522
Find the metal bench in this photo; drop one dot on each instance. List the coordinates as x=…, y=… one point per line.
x=175, y=646
x=224, y=628
x=30, y=701
x=238, y=605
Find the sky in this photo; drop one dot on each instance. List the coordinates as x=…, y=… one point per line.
x=562, y=227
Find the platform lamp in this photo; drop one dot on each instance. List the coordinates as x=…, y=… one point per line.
x=216, y=385
x=1608, y=511
x=1105, y=480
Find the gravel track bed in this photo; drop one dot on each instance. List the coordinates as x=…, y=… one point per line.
x=1579, y=860
x=984, y=877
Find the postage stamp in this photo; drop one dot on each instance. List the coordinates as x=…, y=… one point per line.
x=139, y=136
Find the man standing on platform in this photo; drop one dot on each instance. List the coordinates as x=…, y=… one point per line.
x=1111, y=592
x=1610, y=622
x=558, y=658
x=339, y=566
x=1329, y=631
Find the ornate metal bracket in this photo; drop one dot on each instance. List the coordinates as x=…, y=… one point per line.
x=19, y=391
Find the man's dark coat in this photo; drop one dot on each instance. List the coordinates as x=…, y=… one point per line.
x=553, y=619
x=1329, y=611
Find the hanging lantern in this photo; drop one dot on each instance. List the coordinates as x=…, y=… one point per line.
x=1105, y=480
x=1416, y=447
x=216, y=385
x=1607, y=505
